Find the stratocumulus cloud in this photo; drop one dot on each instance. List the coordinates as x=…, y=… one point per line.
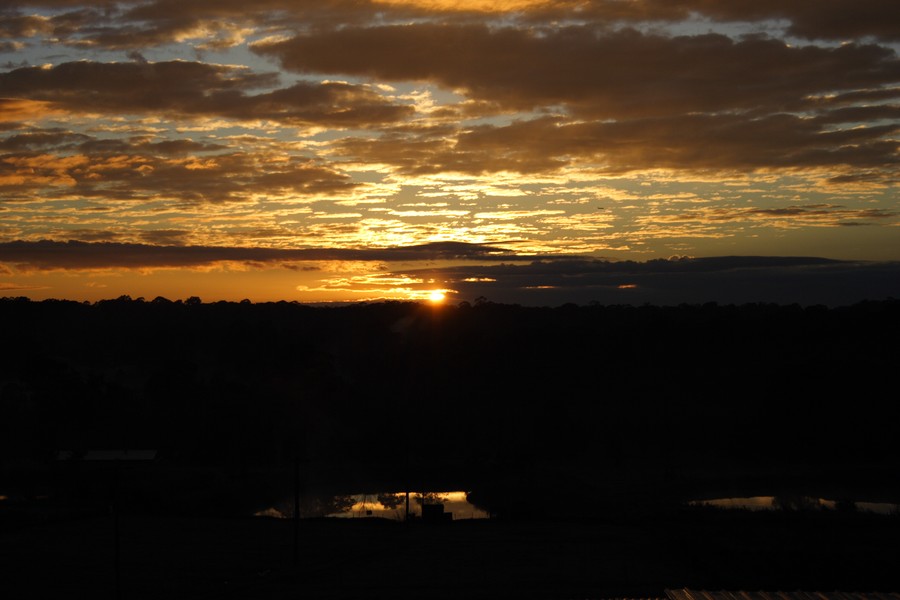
x=46, y=254
x=584, y=68
x=195, y=134
x=727, y=280
x=140, y=23
x=194, y=90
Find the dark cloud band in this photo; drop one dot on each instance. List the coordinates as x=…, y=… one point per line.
x=196, y=90
x=46, y=254
x=727, y=280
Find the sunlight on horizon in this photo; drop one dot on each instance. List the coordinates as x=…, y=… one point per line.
x=370, y=505
x=298, y=153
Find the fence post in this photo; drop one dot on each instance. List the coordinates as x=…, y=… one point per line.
x=296, y=511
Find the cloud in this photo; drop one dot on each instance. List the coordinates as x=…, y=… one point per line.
x=482, y=105
x=166, y=237
x=183, y=89
x=118, y=170
x=821, y=215
x=14, y=110
x=23, y=26
x=722, y=142
x=823, y=19
x=213, y=24
x=700, y=102
x=139, y=23
x=16, y=287
x=11, y=46
x=727, y=280
x=77, y=255
x=584, y=69
x=41, y=139
x=501, y=275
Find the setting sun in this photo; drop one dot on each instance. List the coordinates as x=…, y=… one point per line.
x=436, y=297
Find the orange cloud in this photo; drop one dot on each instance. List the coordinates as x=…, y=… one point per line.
x=13, y=110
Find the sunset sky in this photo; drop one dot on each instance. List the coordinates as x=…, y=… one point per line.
x=540, y=151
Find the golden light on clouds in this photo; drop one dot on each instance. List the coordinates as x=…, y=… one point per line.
x=543, y=130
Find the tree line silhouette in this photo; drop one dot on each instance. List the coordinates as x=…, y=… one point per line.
x=593, y=423
x=471, y=385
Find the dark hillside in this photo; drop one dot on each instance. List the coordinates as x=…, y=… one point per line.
x=407, y=386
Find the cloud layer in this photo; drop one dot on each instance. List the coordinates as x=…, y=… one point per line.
x=187, y=134
x=196, y=90
x=49, y=255
x=727, y=280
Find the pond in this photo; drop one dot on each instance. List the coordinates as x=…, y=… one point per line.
x=385, y=505
x=793, y=502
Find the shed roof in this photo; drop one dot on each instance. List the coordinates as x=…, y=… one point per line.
x=686, y=594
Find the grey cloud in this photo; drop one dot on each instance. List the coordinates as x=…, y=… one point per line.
x=823, y=215
x=137, y=57
x=819, y=19
x=585, y=69
x=47, y=254
x=135, y=24
x=193, y=89
x=21, y=4
x=180, y=147
x=861, y=114
x=158, y=21
x=88, y=235
x=41, y=139
x=699, y=142
x=119, y=170
x=167, y=147
x=812, y=19
x=233, y=177
x=544, y=281
x=20, y=26
x=858, y=177
x=870, y=213
x=165, y=237
x=15, y=287
x=142, y=86
x=727, y=280
x=425, y=154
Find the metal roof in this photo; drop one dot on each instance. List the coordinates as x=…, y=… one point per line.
x=685, y=594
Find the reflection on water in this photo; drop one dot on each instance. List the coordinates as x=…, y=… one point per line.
x=751, y=503
x=456, y=506
x=797, y=503
x=385, y=505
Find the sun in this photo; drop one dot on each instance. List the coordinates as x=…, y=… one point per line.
x=436, y=297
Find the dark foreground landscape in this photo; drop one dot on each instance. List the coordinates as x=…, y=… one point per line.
x=584, y=432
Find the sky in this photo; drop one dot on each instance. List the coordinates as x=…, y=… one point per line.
x=532, y=151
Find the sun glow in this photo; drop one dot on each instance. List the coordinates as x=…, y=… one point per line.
x=437, y=297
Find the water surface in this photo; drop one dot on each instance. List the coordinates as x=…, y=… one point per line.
x=796, y=503
x=386, y=505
